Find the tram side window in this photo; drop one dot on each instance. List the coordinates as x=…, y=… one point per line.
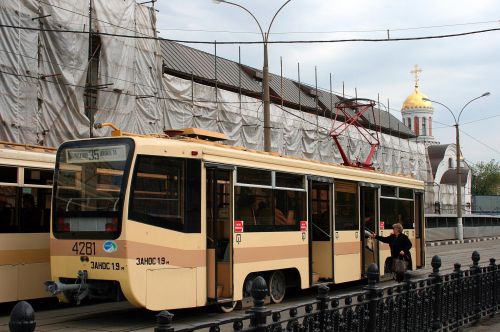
x=166, y=192
x=8, y=204
x=400, y=209
x=267, y=210
x=346, y=218
x=388, y=191
x=290, y=207
x=406, y=213
x=34, y=216
x=8, y=174
x=38, y=176
x=388, y=212
x=254, y=206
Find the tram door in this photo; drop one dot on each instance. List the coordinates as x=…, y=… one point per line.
x=320, y=202
x=419, y=230
x=219, y=248
x=346, y=240
x=368, y=207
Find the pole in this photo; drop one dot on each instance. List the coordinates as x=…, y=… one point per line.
x=281, y=80
x=460, y=226
x=267, y=104
x=265, y=71
x=90, y=92
x=300, y=89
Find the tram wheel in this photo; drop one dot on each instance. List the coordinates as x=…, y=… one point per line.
x=227, y=307
x=277, y=286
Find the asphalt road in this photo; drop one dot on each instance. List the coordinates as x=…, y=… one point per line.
x=122, y=317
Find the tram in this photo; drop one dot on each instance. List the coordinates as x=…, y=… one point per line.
x=187, y=221
x=26, y=174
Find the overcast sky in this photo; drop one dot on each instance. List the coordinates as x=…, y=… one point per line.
x=455, y=70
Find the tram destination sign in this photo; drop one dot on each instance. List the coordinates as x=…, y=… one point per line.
x=96, y=154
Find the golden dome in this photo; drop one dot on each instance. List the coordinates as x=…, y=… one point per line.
x=415, y=101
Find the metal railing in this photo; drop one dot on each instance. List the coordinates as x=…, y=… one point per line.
x=432, y=303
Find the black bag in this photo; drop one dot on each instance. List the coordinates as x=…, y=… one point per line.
x=399, y=267
x=388, y=265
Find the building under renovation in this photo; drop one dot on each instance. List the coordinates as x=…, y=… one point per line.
x=65, y=65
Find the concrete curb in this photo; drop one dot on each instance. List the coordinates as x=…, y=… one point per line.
x=448, y=242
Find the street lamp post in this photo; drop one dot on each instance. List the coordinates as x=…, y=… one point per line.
x=460, y=226
x=265, y=71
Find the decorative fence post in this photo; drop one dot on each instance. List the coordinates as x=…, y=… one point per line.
x=437, y=281
x=259, y=312
x=164, y=321
x=22, y=318
x=373, y=295
x=460, y=294
x=409, y=317
x=476, y=273
x=322, y=306
x=494, y=286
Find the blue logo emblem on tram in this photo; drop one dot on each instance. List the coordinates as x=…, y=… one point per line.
x=110, y=246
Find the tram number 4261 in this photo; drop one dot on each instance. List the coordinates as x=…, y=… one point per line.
x=84, y=248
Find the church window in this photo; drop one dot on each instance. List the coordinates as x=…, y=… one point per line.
x=424, y=126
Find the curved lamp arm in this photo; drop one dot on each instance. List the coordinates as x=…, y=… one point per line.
x=275, y=14
x=470, y=101
x=437, y=102
x=264, y=39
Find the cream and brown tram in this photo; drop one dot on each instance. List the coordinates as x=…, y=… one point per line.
x=26, y=173
x=182, y=222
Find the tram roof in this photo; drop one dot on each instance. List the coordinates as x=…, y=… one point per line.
x=241, y=156
x=34, y=155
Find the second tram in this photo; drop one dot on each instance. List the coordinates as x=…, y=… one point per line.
x=182, y=222
x=26, y=173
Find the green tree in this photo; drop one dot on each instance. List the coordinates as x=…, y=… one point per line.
x=486, y=178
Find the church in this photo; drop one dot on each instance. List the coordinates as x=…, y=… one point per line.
x=441, y=183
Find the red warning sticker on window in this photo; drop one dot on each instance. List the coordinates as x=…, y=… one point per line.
x=238, y=226
x=303, y=226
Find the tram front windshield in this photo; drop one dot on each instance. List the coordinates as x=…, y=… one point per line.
x=90, y=180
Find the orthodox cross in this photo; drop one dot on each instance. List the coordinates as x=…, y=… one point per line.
x=416, y=71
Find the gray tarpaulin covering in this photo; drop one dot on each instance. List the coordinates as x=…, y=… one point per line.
x=42, y=72
x=18, y=72
x=132, y=65
x=294, y=132
x=48, y=106
x=61, y=113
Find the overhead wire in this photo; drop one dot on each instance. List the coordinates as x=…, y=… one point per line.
x=482, y=143
x=333, y=31
x=472, y=137
x=325, y=41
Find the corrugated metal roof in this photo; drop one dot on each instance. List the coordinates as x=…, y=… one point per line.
x=188, y=60
x=181, y=59
x=291, y=91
